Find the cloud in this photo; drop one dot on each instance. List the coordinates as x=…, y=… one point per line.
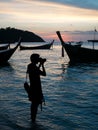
x=87, y=4
x=90, y=32
x=47, y=15
x=6, y=0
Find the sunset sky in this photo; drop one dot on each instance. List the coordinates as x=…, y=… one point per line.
x=77, y=19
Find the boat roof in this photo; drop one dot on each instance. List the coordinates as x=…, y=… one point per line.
x=92, y=40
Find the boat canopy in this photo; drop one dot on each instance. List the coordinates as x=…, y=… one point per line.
x=92, y=40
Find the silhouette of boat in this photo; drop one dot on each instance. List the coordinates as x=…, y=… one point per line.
x=45, y=46
x=4, y=47
x=5, y=55
x=78, y=54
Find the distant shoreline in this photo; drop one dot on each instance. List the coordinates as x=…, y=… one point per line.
x=11, y=35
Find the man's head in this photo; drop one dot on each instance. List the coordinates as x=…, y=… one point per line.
x=34, y=58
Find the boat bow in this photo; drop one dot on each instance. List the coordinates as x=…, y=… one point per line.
x=5, y=55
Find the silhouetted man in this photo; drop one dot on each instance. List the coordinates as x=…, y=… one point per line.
x=35, y=94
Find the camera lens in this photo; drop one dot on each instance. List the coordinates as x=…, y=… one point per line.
x=42, y=60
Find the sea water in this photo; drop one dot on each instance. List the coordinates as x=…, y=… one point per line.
x=71, y=94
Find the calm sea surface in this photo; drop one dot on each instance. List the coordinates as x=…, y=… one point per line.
x=71, y=94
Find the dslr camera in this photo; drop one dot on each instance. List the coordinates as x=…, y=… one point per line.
x=42, y=60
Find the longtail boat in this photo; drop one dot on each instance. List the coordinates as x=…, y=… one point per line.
x=78, y=54
x=5, y=55
x=45, y=46
x=4, y=47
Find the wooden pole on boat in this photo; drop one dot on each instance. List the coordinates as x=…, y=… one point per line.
x=62, y=51
x=59, y=35
x=93, y=45
x=94, y=36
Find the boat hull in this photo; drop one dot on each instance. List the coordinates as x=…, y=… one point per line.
x=5, y=55
x=4, y=47
x=46, y=46
x=79, y=54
